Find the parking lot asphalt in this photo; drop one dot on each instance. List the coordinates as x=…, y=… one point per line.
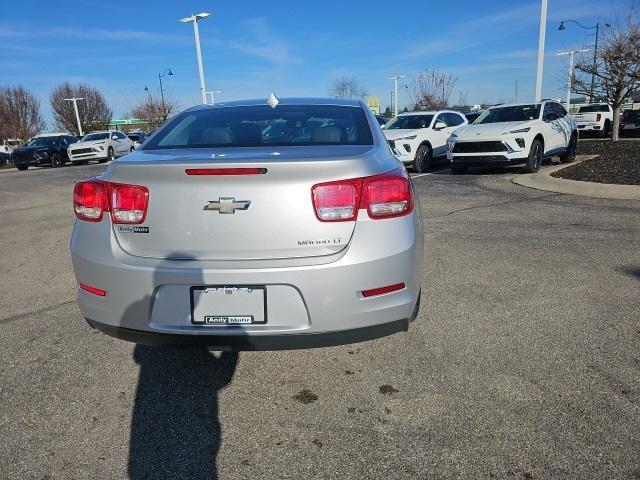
x=523, y=363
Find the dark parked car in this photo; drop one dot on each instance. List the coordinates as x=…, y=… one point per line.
x=137, y=138
x=471, y=116
x=630, y=122
x=45, y=149
x=381, y=120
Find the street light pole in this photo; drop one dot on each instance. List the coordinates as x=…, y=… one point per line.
x=75, y=108
x=595, y=51
x=395, y=79
x=167, y=71
x=541, y=39
x=571, y=53
x=196, y=33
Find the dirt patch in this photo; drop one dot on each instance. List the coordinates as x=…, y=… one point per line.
x=305, y=397
x=617, y=163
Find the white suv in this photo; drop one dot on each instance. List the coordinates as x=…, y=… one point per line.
x=101, y=146
x=418, y=138
x=520, y=134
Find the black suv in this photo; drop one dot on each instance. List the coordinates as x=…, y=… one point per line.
x=49, y=149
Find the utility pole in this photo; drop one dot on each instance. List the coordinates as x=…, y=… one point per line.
x=571, y=54
x=196, y=33
x=166, y=72
x=541, y=39
x=75, y=107
x=395, y=79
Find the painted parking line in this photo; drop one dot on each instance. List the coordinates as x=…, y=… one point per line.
x=418, y=175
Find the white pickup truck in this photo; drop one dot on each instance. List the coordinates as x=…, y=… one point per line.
x=596, y=117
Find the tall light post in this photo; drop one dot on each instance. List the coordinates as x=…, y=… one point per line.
x=595, y=50
x=541, y=39
x=196, y=33
x=571, y=54
x=395, y=79
x=75, y=107
x=167, y=72
x=212, y=93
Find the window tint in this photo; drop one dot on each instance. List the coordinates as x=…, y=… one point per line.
x=121, y=136
x=258, y=125
x=409, y=122
x=593, y=108
x=441, y=118
x=453, y=119
x=95, y=136
x=559, y=110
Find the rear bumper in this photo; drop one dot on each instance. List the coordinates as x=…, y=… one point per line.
x=254, y=342
x=148, y=300
x=590, y=126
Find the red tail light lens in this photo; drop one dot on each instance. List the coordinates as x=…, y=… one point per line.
x=598, y=117
x=94, y=290
x=337, y=201
x=90, y=200
x=127, y=203
x=383, y=196
x=382, y=290
x=388, y=195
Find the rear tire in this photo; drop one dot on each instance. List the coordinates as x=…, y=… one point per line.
x=606, y=132
x=423, y=159
x=570, y=154
x=56, y=160
x=22, y=166
x=534, y=160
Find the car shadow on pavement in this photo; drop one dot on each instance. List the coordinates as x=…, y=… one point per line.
x=175, y=426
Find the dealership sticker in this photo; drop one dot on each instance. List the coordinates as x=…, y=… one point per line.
x=130, y=229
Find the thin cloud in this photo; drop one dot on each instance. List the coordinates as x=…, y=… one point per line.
x=263, y=43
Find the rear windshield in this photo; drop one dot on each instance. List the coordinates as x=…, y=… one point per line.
x=409, y=122
x=258, y=125
x=593, y=108
x=515, y=113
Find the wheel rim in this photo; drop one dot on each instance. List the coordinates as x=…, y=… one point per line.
x=537, y=157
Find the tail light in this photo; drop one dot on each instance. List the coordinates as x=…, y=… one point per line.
x=598, y=117
x=127, y=203
x=383, y=196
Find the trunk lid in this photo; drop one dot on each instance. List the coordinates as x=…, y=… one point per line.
x=279, y=221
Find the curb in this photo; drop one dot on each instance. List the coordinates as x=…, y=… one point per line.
x=543, y=181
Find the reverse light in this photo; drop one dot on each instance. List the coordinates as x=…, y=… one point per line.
x=383, y=196
x=382, y=290
x=127, y=203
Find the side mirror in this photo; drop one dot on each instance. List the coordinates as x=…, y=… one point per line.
x=439, y=126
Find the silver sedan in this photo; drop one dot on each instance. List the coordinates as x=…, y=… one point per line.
x=252, y=225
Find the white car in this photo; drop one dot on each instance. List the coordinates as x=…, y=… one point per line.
x=519, y=134
x=100, y=146
x=419, y=138
x=597, y=117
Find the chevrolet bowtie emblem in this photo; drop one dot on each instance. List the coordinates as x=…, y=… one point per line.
x=227, y=205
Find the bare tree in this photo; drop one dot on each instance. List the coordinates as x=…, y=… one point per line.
x=19, y=113
x=616, y=70
x=154, y=111
x=348, y=88
x=94, y=111
x=463, y=98
x=432, y=89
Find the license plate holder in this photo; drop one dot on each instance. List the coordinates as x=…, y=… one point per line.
x=228, y=305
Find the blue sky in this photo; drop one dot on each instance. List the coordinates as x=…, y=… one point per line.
x=293, y=48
